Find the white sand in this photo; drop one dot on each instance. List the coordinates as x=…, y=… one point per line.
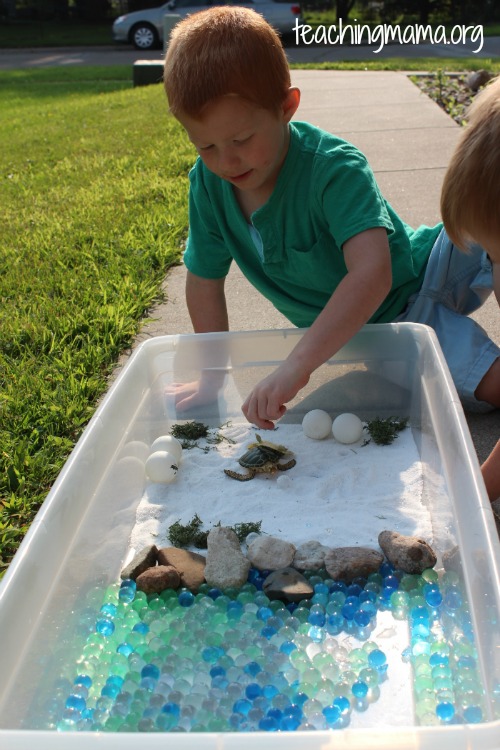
x=337, y=494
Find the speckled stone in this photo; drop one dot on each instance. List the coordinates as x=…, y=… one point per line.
x=310, y=556
x=226, y=565
x=346, y=563
x=271, y=553
x=408, y=553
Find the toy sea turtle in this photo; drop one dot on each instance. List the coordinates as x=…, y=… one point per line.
x=261, y=457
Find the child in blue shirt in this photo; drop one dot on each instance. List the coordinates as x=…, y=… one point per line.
x=300, y=212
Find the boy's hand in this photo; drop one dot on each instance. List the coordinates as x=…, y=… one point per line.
x=198, y=393
x=267, y=400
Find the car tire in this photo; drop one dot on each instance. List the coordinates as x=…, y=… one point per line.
x=144, y=36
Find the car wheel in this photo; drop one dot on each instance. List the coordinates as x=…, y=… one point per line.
x=144, y=36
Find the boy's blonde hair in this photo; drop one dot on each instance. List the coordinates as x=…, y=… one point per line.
x=470, y=197
x=221, y=51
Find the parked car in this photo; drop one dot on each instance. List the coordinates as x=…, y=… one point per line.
x=144, y=28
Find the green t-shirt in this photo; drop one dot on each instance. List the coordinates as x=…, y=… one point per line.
x=325, y=194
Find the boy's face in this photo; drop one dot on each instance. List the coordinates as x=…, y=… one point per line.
x=242, y=143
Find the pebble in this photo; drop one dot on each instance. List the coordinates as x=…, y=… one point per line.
x=347, y=563
x=226, y=564
x=310, y=556
x=287, y=584
x=143, y=560
x=189, y=565
x=157, y=579
x=271, y=553
x=408, y=553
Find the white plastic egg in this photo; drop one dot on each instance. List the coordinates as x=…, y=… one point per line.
x=170, y=444
x=317, y=424
x=161, y=467
x=347, y=428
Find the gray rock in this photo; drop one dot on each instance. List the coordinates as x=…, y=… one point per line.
x=288, y=585
x=144, y=559
x=157, y=579
x=270, y=553
x=408, y=553
x=189, y=565
x=477, y=79
x=346, y=563
x=226, y=565
x=310, y=556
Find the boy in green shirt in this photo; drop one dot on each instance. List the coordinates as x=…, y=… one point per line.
x=300, y=212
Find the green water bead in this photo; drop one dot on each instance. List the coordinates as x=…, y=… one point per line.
x=300, y=660
x=441, y=670
x=430, y=575
x=424, y=706
x=358, y=657
x=423, y=669
x=440, y=647
x=450, y=578
x=370, y=676
x=424, y=682
x=408, y=583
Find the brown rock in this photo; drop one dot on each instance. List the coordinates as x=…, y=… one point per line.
x=189, y=565
x=144, y=559
x=407, y=553
x=346, y=563
x=155, y=580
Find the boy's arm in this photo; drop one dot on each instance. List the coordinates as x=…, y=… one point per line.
x=206, y=303
x=357, y=297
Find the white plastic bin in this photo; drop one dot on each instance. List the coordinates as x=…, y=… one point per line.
x=80, y=536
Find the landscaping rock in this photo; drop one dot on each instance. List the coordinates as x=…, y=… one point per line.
x=477, y=79
x=287, y=585
x=226, y=565
x=189, y=565
x=310, y=556
x=271, y=553
x=144, y=559
x=157, y=579
x=346, y=563
x=407, y=553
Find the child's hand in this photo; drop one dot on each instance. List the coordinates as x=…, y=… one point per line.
x=198, y=393
x=267, y=400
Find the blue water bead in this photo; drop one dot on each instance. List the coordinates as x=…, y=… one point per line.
x=234, y=610
x=252, y=668
x=214, y=593
x=350, y=607
x=359, y=689
x=438, y=659
x=338, y=586
x=83, y=679
x=321, y=588
x=419, y=613
x=289, y=723
x=367, y=596
x=125, y=649
x=110, y=690
x=453, y=599
x=466, y=662
x=473, y=714
x=104, y=626
x=343, y=704
x=109, y=609
x=269, y=724
x=316, y=633
x=268, y=632
x=386, y=569
x=445, y=711
x=141, y=627
x=354, y=590
x=287, y=647
x=390, y=582
x=332, y=713
x=217, y=671
x=362, y=618
x=270, y=691
x=151, y=671
x=317, y=615
x=432, y=595
x=76, y=702
x=253, y=690
x=264, y=613
x=186, y=598
x=335, y=624
x=242, y=706
x=377, y=659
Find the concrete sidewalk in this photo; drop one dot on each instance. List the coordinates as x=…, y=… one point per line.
x=408, y=141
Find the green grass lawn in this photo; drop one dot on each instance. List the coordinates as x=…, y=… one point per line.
x=93, y=211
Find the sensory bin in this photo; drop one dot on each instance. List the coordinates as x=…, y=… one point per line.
x=83, y=653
